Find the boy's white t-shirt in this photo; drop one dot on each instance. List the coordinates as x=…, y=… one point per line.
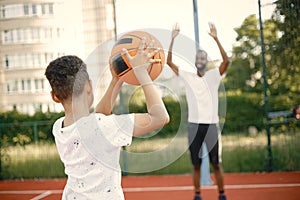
x=202, y=95
x=90, y=151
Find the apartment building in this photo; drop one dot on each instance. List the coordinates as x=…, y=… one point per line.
x=34, y=32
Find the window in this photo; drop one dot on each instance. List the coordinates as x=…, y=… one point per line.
x=28, y=84
x=22, y=59
x=42, y=84
x=25, y=35
x=47, y=33
x=36, y=84
x=14, y=35
x=19, y=10
x=48, y=57
x=29, y=35
x=15, y=86
x=19, y=35
x=23, y=85
x=7, y=88
x=5, y=39
x=35, y=34
x=3, y=11
x=36, y=60
x=8, y=36
x=50, y=8
x=57, y=32
x=6, y=62
x=43, y=9
x=26, y=9
x=28, y=60
x=34, y=9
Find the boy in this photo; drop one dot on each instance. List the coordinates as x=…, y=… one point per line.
x=89, y=143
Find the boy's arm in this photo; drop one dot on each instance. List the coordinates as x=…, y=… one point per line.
x=175, y=32
x=225, y=60
x=157, y=115
x=108, y=100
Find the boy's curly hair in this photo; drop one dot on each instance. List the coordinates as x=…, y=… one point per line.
x=67, y=76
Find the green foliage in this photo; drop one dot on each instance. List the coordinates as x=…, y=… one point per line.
x=138, y=105
x=241, y=153
x=243, y=159
x=17, y=128
x=282, y=56
x=286, y=157
x=284, y=68
x=243, y=110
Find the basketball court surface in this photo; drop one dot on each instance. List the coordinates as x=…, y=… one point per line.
x=238, y=186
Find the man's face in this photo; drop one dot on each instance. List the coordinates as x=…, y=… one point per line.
x=201, y=61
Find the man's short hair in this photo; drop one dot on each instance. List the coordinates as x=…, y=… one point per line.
x=67, y=76
x=201, y=51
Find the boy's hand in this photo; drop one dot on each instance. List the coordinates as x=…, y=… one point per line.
x=143, y=57
x=141, y=60
x=213, y=31
x=175, y=31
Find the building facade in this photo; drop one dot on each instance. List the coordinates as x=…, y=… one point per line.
x=33, y=33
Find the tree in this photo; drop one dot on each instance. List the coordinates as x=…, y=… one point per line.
x=282, y=55
x=246, y=71
x=285, y=63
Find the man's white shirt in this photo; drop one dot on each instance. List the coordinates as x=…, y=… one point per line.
x=202, y=95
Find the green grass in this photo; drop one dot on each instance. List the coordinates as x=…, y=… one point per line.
x=32, y=161
x=240, y=154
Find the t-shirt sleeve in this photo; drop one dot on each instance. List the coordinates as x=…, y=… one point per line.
x=214, y=76
x=118, y=129
x=181, y=72
x=184, y=74
x=217, y=74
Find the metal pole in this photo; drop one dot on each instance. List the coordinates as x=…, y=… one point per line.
x=35, y=131
x=270, y=158
x=205, y=170
x=121, y=105
x=196, y=28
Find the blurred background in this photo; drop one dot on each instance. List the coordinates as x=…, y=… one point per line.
x=261, y=87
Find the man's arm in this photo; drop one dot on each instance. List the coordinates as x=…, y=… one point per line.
x=175, y=32
x=225, y=61
x=157, y=115
x=108, y=100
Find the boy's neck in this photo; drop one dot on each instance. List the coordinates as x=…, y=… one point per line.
x=70, y=118
x=74, y=112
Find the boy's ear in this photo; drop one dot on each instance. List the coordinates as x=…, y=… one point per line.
x=54, y=97
x=90, y=87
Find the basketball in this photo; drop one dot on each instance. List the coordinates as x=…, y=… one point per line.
x=131, y=41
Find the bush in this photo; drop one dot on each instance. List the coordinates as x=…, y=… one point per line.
x=177, y=117
x=18, y=128
x=243, y=110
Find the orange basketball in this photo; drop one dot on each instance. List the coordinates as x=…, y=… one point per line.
x=131, y=41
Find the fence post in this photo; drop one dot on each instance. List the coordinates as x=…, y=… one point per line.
x=270, y=158
x=35, y=131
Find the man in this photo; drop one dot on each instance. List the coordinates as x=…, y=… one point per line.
x=202, y=98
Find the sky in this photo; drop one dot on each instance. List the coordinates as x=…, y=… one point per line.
x=163, y=14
